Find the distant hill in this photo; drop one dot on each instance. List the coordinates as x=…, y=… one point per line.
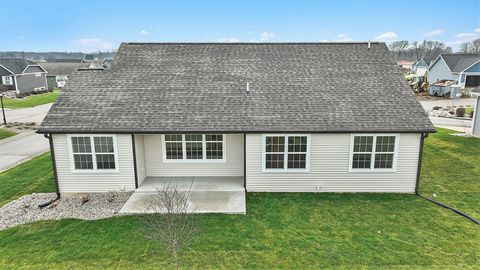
x=39, y=56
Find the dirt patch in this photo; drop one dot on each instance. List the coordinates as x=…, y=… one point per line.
x=21, y=127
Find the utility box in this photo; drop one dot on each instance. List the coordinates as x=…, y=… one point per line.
x=455, y=91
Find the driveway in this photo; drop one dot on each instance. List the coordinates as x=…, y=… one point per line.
x=33, y=114
x=21, y=148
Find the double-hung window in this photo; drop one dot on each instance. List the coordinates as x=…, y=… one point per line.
x=373, y=152
x=194, y=147
x=7, y=80
x=93, y=153
x=286, y=153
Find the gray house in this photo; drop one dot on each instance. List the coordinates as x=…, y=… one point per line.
x=464, y=68
x=59, y=72
x=23, y=76
x=239, y=117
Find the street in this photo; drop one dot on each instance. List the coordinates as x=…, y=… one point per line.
x=22, y=147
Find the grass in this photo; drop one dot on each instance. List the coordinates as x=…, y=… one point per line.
x=33, y=176
x=5, y=133
x=289, y=231
x=31, y=101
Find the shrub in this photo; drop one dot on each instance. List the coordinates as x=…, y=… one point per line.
x=471, y=113
x=461, y=112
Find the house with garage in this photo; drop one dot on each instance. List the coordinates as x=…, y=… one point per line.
x=420, y=67
x=463, y=68
x=22, y=76
x=238, y=117
x=59, y=72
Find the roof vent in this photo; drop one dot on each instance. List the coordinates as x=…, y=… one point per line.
x=369, y=44
x=248, y=88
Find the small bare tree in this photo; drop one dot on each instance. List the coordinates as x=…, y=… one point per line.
x=170, y=220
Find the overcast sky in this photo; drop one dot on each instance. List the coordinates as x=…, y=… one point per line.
x=43, y=25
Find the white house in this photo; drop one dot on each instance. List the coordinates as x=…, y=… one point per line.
x=259, y=117
x=464, y=68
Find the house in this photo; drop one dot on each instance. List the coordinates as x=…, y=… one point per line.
x=420, y=67
x=58, y=72
x=476, y=113
x=406, y=65
x=463, y=68
x=23, y=76
x=255, y=117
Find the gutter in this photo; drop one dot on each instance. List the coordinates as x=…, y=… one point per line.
x=54, y=165
x=417, y=186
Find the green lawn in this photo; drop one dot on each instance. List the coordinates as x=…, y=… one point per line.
x=289, y=231
x=33, y=176
x=31, y=101
x=5, y=133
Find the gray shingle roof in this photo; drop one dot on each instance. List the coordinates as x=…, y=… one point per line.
x=15, y=65
x=458, y=62
x=63, y=68
x=295, y=87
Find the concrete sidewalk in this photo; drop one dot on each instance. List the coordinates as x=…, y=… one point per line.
x=20, y=148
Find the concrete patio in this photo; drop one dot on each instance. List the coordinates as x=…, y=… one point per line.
x=207, y=194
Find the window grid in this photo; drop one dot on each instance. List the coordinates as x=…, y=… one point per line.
x=285, y=152
x=195, y=147
x=93, y=152
x=373, y=152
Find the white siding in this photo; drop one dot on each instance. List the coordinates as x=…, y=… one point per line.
x=329, y=161
x=74, y=182
x=140, y=155
x=440, y=71
x=156, y=167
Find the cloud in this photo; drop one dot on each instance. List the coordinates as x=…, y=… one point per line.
x=433, y=33
x=463, y=37
x=266, y=36
x=323, y=40
x=94, y=43
x=477, y=30
x=144, y=33
x=344, y=38
x=229, y=40
x=328, y=32
x=386, y=37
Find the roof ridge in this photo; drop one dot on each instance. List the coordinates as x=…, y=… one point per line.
x=249, y=43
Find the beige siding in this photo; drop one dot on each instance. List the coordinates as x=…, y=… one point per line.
x=72, y=182
x=140, y=155
x=329, y=164
x=156, y=167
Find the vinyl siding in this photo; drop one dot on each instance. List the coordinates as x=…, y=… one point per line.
x=476, y=118
x=329, y=168
x=28, y=82
x=73, y=182
x=156, y=167
x=440, y=71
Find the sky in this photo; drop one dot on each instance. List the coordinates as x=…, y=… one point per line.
x=87, y=25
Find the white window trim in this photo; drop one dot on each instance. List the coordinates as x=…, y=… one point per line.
x=372, y=161
x=285, y=159
x=10, y=80
x=94, y=157
x=204, y=151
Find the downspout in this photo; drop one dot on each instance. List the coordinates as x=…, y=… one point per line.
x=417, y=185
x=245, y=161
x=134, y=161
x=54, y=165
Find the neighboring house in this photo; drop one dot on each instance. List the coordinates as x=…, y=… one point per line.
x=22, y=75
x=464, y=68
x=420, y=67
x=59, y=72
x=281, y=117
x=476, y=113
x=406, y=65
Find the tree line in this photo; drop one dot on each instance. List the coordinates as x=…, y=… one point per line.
x=405, y=50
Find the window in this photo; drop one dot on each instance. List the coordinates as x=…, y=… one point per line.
x=7, y=80
x=193, y=147
x=373, y=152
x=286, y=152
x=93, y=152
